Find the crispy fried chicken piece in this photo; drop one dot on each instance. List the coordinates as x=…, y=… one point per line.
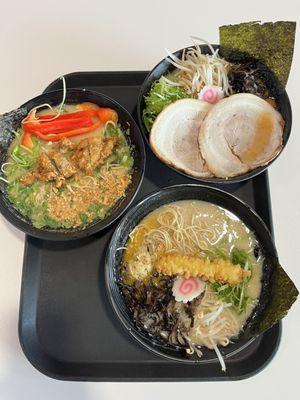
x=64, y=166
x=92, y=152
x=50, y=167
x=88, y=154
x=100, y=152
x=81, y=158
x=66, y=145
x=28, y=179
x=209, y=270
x=45, y=170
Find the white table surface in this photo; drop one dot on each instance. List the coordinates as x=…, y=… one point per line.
x=41, y=40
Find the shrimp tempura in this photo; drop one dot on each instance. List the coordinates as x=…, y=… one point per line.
x=217, y=270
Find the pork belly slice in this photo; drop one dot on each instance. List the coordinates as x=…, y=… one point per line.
x=240, y=133
x=174, y=136
x=63, y=165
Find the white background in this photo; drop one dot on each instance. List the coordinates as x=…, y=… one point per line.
x=41, y=40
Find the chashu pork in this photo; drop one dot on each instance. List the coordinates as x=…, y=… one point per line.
x=174, y=136
x=239, y=134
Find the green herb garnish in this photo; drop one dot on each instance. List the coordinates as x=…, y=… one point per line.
x=234, y=295
x=160, y=95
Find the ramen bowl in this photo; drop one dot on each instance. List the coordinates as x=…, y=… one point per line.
x=164, y=67
x=10, y=122
x=114, y=261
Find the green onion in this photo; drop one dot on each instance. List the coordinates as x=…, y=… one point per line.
x=235, y=295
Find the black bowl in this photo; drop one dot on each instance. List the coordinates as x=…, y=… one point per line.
x=143, y=208
x=12, y=120
x=281, y=97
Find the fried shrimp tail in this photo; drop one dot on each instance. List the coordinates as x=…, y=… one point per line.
x=209, y=270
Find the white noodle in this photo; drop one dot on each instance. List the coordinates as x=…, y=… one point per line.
x=4, y=164
x=46, y=105
x=214, y=321
x=219, y=355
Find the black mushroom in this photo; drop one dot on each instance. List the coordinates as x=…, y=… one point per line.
x=156, y=312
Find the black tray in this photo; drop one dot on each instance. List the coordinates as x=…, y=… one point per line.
x=67, y=327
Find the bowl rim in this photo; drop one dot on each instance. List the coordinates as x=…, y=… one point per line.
x=110, y=265
x=240, y=178
x=73, y=234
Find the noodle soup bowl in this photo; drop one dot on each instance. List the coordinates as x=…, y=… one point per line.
x=282, y=101
x=245, y=341
x=11, y=121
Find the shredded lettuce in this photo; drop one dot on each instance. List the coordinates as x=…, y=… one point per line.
x=160, y=95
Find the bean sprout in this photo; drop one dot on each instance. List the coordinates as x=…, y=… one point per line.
x=196, y=70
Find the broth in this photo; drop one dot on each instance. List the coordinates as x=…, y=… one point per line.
x=201, y=231
x=74, y=181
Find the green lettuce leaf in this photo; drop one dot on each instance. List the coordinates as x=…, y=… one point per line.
x=160, y=95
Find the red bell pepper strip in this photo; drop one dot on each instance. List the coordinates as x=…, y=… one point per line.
x=26, y=140
x=66, y=125
x=104, y=113
x=58, y=136
x=58, y=126
x=107, y=114
x=76, y=114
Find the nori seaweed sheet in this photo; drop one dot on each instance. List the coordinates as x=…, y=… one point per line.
x=9, y=122
x=271, y=43
x=277, y=296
